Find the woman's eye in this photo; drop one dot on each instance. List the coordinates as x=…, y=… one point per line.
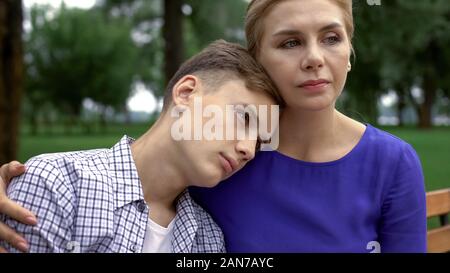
x=332, y=40
x=290, y=44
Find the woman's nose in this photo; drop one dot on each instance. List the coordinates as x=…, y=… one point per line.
x=313, y=59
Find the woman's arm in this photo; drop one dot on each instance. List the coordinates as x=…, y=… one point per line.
x=403, y=226
x=12, y=209
x=42, y=189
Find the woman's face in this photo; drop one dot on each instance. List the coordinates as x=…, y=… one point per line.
x=305, y=49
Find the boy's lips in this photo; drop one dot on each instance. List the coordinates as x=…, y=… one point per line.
x=228, y=163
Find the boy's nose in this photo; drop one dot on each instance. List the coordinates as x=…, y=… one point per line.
x=246, y=149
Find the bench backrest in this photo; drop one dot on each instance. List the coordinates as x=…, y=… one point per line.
x=438, y=204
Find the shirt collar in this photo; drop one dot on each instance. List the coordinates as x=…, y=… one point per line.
x=128, y=189
x=186, y=224
x=122, y=169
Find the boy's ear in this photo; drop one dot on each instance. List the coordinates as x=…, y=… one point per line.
x=184, y=89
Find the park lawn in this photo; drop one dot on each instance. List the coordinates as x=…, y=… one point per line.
x=58, y=141
x=432, y=146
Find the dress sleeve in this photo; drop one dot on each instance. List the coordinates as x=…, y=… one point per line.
x=403, y=226
x=41, y=190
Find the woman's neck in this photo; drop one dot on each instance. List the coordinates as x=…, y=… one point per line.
x=318, y=136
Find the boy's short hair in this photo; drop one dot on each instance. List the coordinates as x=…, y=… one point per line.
x=220, y=62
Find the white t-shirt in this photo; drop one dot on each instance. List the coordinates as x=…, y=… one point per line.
x=157, y=238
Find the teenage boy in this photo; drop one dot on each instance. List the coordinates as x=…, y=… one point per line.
x=133, y=197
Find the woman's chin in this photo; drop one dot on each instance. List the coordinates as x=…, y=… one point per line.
x=313, y=106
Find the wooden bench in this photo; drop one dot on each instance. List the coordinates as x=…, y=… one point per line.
x=438, y=205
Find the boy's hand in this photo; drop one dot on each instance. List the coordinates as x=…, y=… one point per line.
x=13, y=210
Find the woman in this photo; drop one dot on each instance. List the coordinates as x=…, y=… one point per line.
x=333, y=184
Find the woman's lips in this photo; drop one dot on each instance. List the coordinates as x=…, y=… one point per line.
x=314, y=85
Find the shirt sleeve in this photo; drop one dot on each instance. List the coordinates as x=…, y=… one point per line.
x=41, y=189
x=403, y=226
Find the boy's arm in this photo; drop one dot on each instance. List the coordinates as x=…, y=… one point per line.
x=42, y=189
x=12, y=209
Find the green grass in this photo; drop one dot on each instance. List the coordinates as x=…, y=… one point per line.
x=432, y=146
x=58, y=141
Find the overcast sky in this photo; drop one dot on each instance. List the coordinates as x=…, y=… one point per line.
x=55, y=3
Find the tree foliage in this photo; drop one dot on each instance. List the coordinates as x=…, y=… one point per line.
x=74, y=54
x=400, y=45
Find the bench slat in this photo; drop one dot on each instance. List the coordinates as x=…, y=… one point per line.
x=438, y=202
x=439, y=240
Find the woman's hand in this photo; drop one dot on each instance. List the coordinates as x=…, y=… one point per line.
x=13, y=210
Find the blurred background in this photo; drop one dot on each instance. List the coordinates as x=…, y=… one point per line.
x=78, y=74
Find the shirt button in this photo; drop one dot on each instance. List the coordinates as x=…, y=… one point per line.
x=142, y=207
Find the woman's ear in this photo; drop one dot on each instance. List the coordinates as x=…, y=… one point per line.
x=184, y=89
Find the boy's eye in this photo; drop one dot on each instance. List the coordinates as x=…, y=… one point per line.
x=244, y=116
x=247, y=119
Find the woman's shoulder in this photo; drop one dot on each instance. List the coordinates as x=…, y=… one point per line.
x=388, y=145
x=385, y=139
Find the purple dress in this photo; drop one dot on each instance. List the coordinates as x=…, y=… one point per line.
x=371, y=199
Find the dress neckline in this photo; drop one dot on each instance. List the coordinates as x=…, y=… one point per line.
x=354, y=150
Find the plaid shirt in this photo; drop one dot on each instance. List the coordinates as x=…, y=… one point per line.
x=92, y=201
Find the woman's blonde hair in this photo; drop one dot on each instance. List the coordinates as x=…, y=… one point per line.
x=257, y=10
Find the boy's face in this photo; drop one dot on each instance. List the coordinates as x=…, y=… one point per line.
x=224, y=131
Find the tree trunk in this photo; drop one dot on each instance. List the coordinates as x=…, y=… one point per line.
x=11, y=77
x=173, y=37
x=429, y=89
x=103, y=122
x=430, y=83
x=401, y=104
x=33, y=125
